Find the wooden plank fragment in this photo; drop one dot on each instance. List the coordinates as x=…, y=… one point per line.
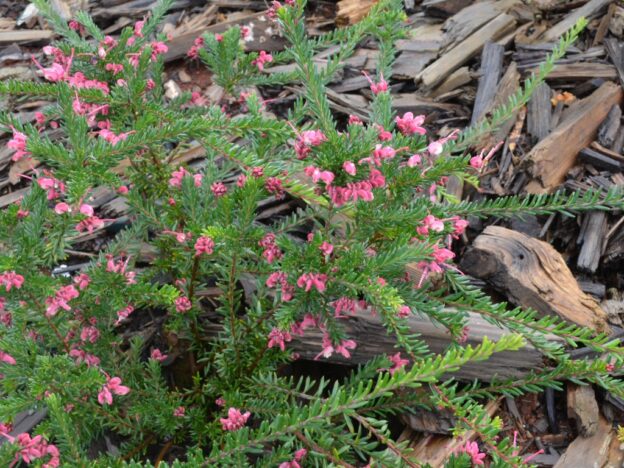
x=609, y=128
x=491, y=70
x=591, y=451
x=25, y=35
x=532, y=274
x=459, y=55
x=589, y=10
x=583, y=408
x=352, y=11
x=261, y=25
x=539, y=113
x=550, y=160
x=592, y=239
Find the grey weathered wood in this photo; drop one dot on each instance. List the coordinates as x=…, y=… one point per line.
x=618, y=142
x=25, y=35
x=609, y=128
x=444, y=8
x=373, y=340
x=459, y=55
x=592, y=239
x=615, y=49
x=589, y=10
x=491, y=70
x=539, y=113
x=583, y=408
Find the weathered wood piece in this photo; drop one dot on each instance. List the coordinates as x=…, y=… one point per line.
x=532, y=274
x=600, y=160
x=615, y=49
x=459, y=55
x=609, y=128
x=374, y=340
x=539, y=113
x=458, y=78
x=593, y=235
x=25, y=35
x=261, y=25
x=352, y=11
x=491, y=70
x=444, y=8
x=583, y=408
x=589, y=451
x=589, y=10
x=549, y=161
x=435, y=449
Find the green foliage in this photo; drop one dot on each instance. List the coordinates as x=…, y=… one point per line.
x=199, y=275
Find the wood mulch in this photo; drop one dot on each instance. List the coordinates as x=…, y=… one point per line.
x=463, y=58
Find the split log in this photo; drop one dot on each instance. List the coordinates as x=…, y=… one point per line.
x=373, y=340
x=491, y=70
x=593, y=235
x=539, y=113
x=590, y=451
x=600, y=160
x=462, y=53
x=589, y=10
x=532, y=274
x=583, y=408
x=549, y=161
x=353, y=11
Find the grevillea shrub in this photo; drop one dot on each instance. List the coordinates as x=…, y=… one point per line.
x=191, y=279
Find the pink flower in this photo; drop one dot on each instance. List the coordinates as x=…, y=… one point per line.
x=90, y=334
x=220, y=402
x=21, y=214
x=276, y=278
x=384, y=135
x=376, y=179
x=61, y=208
x=111, y=387
x=326, y=176
x=150, y=84
x=183, y=304
x=60, y=300
x=7, y=358
x=138, y=28
x=472, y=449
x=179, y=412
x=349, y=168
x=383, y=152
x=459, y=225
x=18, y=143
x=309, y=280
x=397, y=362
x=476, y=162
x=204, y=245
x=278, y=338
x=344, y=304
x=414, y=160
x=218, y=37
x=52, y=186
x=123, y=314
x=408, y=124
x=442, y=255
x=10, y=279
x=326, y=248
x=274, y=185
x=157, y=355
x=86, y=210
x=114, y=67
x=218, y=189
x=435, y=148
x=112, y=137
x=379, y=87
x=329, y=349
x=298, y=456
x=235, y=420
x=430, y=222
x=82, y=281
x=404, y=312
x=158, y=48
x=90, y=224
x=263, y=58
x=354, y=120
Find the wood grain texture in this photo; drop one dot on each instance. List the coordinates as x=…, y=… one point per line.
x=550, y=160
x=532, y=274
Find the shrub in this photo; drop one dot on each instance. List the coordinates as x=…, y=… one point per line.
x=85, y=346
